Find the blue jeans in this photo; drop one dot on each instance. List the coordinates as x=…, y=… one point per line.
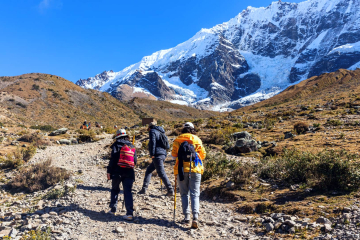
x=158, y=165
x=115, y=190
x=191, y=188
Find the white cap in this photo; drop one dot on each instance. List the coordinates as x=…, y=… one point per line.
x=189, y=124
x=120, y=133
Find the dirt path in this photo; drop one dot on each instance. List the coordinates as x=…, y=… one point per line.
x=84, y=213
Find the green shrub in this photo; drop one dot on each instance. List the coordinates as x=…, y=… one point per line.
x=45, y=128
x=334, y=122
x=215, y=165
x=316, y=125
x=87, y=136
x=35, y=87
x=59, y=192
x=37, y=235
x=301, y=128
x=38, y=177
x=326, y=170
x=35, y=139
x=110, y=130
x=238, y=125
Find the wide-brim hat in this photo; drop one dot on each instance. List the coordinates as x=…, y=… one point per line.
x=121, y=133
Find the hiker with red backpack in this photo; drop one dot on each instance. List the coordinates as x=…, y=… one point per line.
x=158, y=144
x=121, y=170
x=189, y=153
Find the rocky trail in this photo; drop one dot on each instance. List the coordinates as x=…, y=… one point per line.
x=83, y=214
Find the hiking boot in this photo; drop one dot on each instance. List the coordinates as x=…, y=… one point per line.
x=128, y=217
x=170, y=193
x=142, y=191
x=194, y=224
x=185, y=221
x=112, y=210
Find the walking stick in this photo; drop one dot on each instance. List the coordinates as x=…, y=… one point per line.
x=161, y=184
x=175, y=199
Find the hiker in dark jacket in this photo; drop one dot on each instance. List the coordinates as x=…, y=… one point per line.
x=121, y=174
x=158, y=153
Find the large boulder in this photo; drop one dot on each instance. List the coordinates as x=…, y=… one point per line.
x=243, y=145
x=59, y=131
x=244, y=135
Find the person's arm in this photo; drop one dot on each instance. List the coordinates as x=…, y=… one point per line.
x=152, y=143
x=175, y=150
x=114, y=159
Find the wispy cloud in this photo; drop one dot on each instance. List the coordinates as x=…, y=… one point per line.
x=49, y=4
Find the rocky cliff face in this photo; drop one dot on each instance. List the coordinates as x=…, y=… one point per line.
x=250, y=58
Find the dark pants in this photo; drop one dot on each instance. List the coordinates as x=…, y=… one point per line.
x=115, y=190
x=158, y=165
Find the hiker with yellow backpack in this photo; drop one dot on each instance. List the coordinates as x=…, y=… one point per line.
x=121, y=169
x=189, y=153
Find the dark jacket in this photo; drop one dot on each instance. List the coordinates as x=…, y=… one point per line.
x=113, y=168
x=155, y=145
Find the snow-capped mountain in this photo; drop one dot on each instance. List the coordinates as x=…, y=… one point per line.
x=247, y=59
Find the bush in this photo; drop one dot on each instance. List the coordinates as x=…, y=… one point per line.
x=34, y=138
x=301, y=128
x=35, y=87
x=110, y=130
x=215, y=165
x=87, y=136
x=242, y=173
x=58, y=193
x=45, y=128
x=38, y=235
x=326, y=170
x=38, y=177
x=316, y=125
x=334, y=122
x=17, y=158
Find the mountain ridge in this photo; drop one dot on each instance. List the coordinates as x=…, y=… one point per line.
x=251, y=57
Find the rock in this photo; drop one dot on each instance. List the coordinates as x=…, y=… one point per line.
x=229, y=184
x=245, y=146
x=5, y=232
x=347, y=209
x=69, y=186
x=65, y=141
x=15, y=143
x=119, y=230
x=323, y=220
x=289, y=135
x=269, y=227
x=74, y=141
x=327, y=228
x=13, y=233
x=58, y=132
x=243, y=134
x=290, y=223
x=241, y=218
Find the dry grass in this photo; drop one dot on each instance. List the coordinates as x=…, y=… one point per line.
x=38, y=177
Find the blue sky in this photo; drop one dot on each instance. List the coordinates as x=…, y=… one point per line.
x=78, y=39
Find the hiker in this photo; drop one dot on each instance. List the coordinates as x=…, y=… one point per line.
x=189, y=184
x=158, y=144
x=121, y=169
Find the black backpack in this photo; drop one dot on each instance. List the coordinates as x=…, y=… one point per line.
x=186, y=153
x=164, y=141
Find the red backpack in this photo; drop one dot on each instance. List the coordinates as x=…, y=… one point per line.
x=126, y=159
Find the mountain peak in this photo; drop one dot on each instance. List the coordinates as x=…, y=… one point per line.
x=251, y=57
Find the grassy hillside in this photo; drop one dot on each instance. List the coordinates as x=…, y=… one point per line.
x=167, y=111
x=47, y=99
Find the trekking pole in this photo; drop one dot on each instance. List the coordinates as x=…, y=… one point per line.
x=161, y=184
x=133, y=141
x=190, y=168
x=175, y=199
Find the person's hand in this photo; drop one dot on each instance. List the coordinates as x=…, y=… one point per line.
x=108, y=176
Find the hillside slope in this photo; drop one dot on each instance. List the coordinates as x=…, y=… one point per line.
x=47, y=99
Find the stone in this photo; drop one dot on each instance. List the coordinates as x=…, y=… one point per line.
x=269, y=227
x=243, y=145
x=327, y=228
x=288, y=135
x=347, y=209
x=119, y=230
x=58, y=132
x=13, y=233
x=73, y=141
x=290, y=223
x=230, y=184
x=241, y=218
x=323, y=220
x=243, y=134
x=65, y=141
